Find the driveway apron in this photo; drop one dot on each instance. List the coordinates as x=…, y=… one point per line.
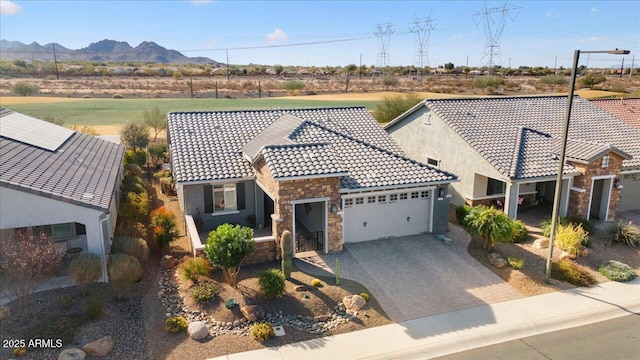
x=416, y=276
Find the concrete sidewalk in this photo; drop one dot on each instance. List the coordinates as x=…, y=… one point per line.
x=461, y=330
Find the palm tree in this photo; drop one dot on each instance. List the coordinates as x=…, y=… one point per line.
x=491, y=224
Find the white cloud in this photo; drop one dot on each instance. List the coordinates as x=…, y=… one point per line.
x=594, y=9
x=9, y=7
x=276, y=35
x=592, y=39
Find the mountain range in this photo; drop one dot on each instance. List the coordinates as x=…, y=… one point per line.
x=104, y=50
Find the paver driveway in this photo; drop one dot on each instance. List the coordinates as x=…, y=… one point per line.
x=416, y=276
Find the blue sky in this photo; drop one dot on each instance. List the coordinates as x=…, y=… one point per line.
x=539, y=32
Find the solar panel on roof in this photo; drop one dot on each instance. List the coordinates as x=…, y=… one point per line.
x=31, y=131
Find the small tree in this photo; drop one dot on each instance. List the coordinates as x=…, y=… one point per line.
x=591, y=80
x=26, y=262
x=164, y=227
x=388, y=81
x=485, y=82
x=491, y=224
x=135, y=135
x=393, y=106
x=278, y=69
x=157, y=152
x=553, y=80
x=227, y=246
x=156, y=120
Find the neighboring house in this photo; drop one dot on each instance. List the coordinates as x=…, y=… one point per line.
x=330, y=176
x=505, y=150
x=59, y=183
x=625, y=109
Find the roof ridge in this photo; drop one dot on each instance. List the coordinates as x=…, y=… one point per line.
x=286, y=110
x=379, y=148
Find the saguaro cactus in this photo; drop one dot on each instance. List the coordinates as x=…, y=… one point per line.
x=286, y=251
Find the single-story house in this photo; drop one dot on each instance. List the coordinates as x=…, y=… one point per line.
x=328, y=175
x=505, y=150
x=59, y=183
x=625, y=109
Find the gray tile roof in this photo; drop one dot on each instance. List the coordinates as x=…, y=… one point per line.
x=493, y=127
x=296, y=160
x=83, y=170
x=209, y=146
x=587, y=151
x=534, y=156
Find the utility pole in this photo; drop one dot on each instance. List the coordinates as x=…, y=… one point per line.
x=493, y=27
x=622, y=68
x=633, y=59
x=360, y=68
x=555, y=63
x=55, y=60
x=227, y=51
x=422, y=30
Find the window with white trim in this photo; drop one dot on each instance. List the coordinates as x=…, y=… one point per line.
x=433, y=162
x=58, y=231
x=605, y=161
x=224, y=198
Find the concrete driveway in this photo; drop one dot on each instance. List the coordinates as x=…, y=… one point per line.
x=416, y=276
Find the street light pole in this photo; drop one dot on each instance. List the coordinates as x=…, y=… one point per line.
x=563, y=150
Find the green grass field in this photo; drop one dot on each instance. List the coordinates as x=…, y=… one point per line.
x=118, y=111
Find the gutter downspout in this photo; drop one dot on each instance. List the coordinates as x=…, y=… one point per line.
x=103, y=256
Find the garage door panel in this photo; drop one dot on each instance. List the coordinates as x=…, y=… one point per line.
x=403, y=217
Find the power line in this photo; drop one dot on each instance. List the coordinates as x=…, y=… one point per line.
x=422, y=30
x=493, y=27
x=383, y=32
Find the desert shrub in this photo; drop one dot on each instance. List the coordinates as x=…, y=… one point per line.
x=204, y=292
x=25, y=89
x=175, y=324
x=130, y=245
x=164, y=226
x=262, y=331
x=86, y=96
x=316, y=283
x=231, y=303
x=515, y=262
x=579, y=220
x=567, y=270
x=162, y=174
x=617, y=271
x=117, y=96
x=65, y=301
x=545, y=225
x=93, y=308
x=619, y=232
x=520, y=231
x=365, y=296
x=85, y=269
x=158, y=152
x=571, y=238
x=392, y=107
x=133, y=184
x=138, y=157
x=123, y=270
x=132, y=169
x=292, y=85
x=461, y=214
x=271, y=283
x=193, y=268
x=491, y=224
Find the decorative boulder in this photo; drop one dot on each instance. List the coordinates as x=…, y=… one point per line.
x=168, y=262
x=5, y=312
x=72, y=354
x=496, y=260
x=100, y=347
x=566, y=255
x=198, y=330
x=584, y=253
x=353, y=302
x=249, y=312
x=541, y=244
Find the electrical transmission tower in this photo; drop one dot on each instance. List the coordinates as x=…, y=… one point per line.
x=383, y=33
x=422, y=30
x=493, y=20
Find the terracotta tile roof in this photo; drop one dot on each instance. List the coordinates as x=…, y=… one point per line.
x=344, y=142
x=83, y=170
x=493, y=126
x=625, y=109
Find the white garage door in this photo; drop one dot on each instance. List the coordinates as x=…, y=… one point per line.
x=375, y=216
